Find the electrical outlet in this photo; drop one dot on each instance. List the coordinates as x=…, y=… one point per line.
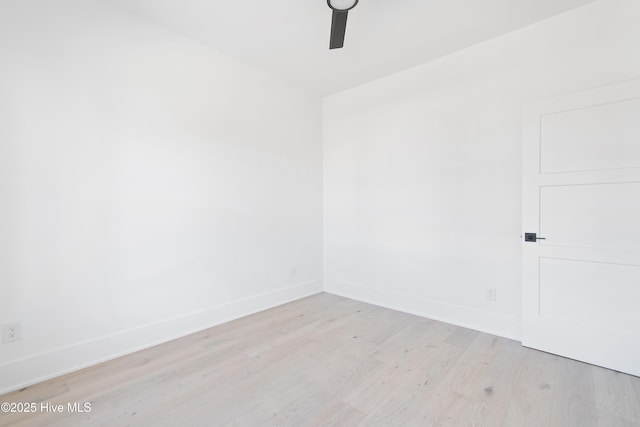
x=11, y=332
x=294, y=271
x=491, y=294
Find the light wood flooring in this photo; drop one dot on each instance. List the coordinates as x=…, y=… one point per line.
x=327, y=360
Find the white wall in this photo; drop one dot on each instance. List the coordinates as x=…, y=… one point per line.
x=149, y=186
x=423, y=171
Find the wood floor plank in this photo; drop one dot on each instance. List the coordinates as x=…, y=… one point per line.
x=330, y=361
x=616, y=394
x=539, y=384
x=579, y=401
x=456, y=396
x=339, y=414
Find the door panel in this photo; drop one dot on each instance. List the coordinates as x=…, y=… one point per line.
x=581, y=191
x=591, y=138
x=596, y=215
x=589, y=293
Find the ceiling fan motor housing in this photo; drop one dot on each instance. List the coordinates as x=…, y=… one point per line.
x=342, y=5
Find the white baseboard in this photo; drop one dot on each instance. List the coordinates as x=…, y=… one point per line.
x=21, y=373
x=493, y=323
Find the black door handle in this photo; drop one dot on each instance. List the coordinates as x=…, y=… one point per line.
x=532, y=237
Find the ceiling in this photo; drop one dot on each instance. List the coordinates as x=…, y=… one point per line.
x=290, y=38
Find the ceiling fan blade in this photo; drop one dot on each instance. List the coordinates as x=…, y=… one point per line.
x=338, y=28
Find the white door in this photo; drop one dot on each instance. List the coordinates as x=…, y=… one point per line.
x=581, y=192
